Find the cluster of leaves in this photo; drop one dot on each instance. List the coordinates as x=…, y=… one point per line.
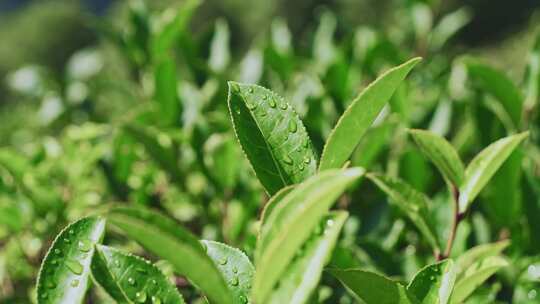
x=330, y=201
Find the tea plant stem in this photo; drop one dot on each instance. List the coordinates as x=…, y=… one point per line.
x=457, y=217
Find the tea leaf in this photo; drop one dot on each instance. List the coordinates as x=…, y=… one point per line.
x=303, y=274
x=442, y=154
x=373, y=288
x=412, y=202
x=499, y=85
x=235, y=267
x=474, y=276
x=272, y=136
x=64, y=273
x=478, y=253
x=359, y=116
x=434, y=283
x=292, y=222
x=483, y=167
x=131, y=279
x=166, y=93
x=166, y=239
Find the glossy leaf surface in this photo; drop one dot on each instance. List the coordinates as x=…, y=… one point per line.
x=132, y=279
x=65, y=270
x=434, y=283
x=166, y=239
x=300, y=211
x=272, y=136
x=359, y=116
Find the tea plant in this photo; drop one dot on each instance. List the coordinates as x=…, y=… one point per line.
x=171, y=176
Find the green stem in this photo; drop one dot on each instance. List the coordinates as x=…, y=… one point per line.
x=457, y=217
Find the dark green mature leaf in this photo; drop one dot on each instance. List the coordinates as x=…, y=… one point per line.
x=64, y=273
x=474, y=276
x=235, y=267
x=483, y=167
x=299, y=211
x=434, y=283
x=162, y=152
x=272, y=136
x=442, y=154
x=172, y=28
x=373, y=288
x=478, y=253
x=303, y=274
x=359, y=116
x=499, y=85
x=130, y=279
x=163, y=237
x=412, y=202
x=166, y=93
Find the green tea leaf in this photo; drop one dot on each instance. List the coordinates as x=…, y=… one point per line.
x=372, y=288
x=272, y=136
x=131, y=279
x=478, y=253
x=172, y=28
x=449, y=25
x=442, y=154
x=299, y=211
x=64, y=273
x=499, y=85
x=475, y=276
x=359, y=116
x=166, y=93
x=166, y=239
x=235, y=267
x=434, y=283
x=273, y=202
x=484, y=165
x=220, y=54
x=303, y=274
x=412, y=202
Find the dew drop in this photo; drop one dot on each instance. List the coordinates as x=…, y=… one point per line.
x=223, y=261
x=283, y=106
x=234, y=281
x=54, y=262
x=235, y=270
x=330, y=223
x=250, y=90
x=57, y=251
x=85, y=245
x=140, y=296
x=74, y=267
x=51, y=284
x=117, y=263
x=306, y=143
x=432, y=278
x=287, y=159
x=141, y=270
x=301, y=167
x=154, y=282
x=71, y=232
x=235, y=87
x=131, y=281
x=67, y=240
x=272, y=103
x=265, y=97
x=251, y=105
x=156, y=300
x=74, y=283
x=243, y=299
x=293, y=126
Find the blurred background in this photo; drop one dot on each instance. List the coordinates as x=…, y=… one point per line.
x=80, y=128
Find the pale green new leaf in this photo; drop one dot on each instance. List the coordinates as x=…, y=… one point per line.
x=442, y=154
x=303, y=274
x=64, y=274
x=300, y=211
x=168, y=240
x=131, y=279
x=498, y=85
x=483, y=167
x=478, y=253
x=359, y=116
x=434, y=283
x=273, y=202
x=235, y=267
x=475, y=276
x=272, y=136
x=412, y=202
x=372, y=288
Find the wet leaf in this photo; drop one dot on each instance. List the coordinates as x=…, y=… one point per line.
x=434, y=283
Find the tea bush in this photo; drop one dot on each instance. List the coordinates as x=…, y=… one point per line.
x=380, y=167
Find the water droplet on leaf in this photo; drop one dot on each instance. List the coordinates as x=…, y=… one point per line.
x=222, y=261
x=85, y=245
x=74, y=283
x=234, y=281
x=287, y=159
x=156, y=300
x=74, y=267
x=293, y=126
x=140, y=297
x=272, y=103
x=131, y=281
